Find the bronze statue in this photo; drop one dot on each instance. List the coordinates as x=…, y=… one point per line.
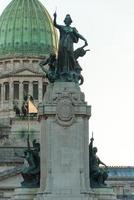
x=98, y=175
x=31, y=172
x=64, y=67
x=80, y=52
x=68, y=36
x=51, y=62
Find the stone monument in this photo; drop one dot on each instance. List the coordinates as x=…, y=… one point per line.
x=64, y=117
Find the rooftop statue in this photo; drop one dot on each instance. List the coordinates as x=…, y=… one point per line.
x=31, y=168
x=98, y=175
x=66, y=67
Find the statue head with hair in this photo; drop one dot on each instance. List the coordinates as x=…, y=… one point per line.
x=68, y=20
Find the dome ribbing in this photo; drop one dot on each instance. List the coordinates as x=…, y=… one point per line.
x=26, y=29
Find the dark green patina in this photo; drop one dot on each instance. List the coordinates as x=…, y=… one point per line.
x=26, y=29
x=98, y=175
x=66, y=67
x=31, y=173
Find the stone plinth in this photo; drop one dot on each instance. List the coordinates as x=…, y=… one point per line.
x=64, y=117
x=103, y=194
x=25, y=193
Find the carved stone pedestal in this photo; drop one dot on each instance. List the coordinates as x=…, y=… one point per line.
x=25, y=193
x=64, y=117
x=103, y=194
x=94, y=194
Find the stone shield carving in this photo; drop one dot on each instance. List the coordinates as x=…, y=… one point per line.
x=65, y=112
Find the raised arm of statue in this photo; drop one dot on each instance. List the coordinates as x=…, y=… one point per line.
x=91, y=145
x=54, y=21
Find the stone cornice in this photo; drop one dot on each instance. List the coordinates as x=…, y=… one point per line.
x=15, y=73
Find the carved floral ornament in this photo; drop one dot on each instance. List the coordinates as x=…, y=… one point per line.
x=65, y=111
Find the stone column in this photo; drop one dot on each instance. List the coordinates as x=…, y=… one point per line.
x=4, y=101
x=11, y=90
x=2, y=95
x=1, y=101
x=20, y=93
x=40, y=90
x=30, y=88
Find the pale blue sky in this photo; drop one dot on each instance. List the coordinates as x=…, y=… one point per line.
x=108, y=70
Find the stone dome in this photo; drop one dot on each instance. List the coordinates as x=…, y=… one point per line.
x=26, y=29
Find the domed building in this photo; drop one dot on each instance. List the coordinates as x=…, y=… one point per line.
x=26, y=30
x=27, y=36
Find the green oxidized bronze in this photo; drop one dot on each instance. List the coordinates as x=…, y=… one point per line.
x=31, y=169
x=26, y=29
x=98, y=175
x=66, y=67
x=51, y=73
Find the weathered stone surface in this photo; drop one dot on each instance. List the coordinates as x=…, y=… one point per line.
x=104, y=194
x=64, y=118
x=24, y=194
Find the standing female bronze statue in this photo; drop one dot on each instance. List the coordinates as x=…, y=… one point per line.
x=68, y=36
x=65, y=67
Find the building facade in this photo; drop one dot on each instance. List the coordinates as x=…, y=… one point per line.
x=27, y=36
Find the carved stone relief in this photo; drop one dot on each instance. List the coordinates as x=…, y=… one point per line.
x=65, y=111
